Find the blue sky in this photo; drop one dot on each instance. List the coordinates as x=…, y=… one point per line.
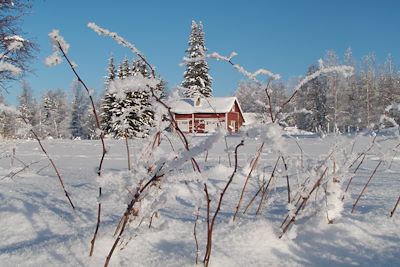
x=283, y=36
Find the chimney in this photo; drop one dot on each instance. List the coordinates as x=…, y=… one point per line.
x=197, y=102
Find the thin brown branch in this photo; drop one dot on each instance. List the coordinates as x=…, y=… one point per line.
x=127, y=151
x=271, y=114
x=12, y=174
x=347, y=187
x=302, y=204
x=97, y=226
x=227, y=151
x=365, y=187
x=395, y=206
x=155, y=178
x=51, y=162
x=265, y=190
x=195, y=235
x=93, y=107
x=253, y=165
x=287, y=178
x=155, y=214
x=104, y=150
x=211, y=225
x=208, y=246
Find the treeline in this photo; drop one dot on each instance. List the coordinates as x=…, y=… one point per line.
x=331, y=102
x=126, y=113
x=53, y=116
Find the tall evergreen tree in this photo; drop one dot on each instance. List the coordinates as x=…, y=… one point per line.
x=133, y=115
x=109, y=100
x=196, y=81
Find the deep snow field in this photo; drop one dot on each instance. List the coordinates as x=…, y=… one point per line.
x=39, y=228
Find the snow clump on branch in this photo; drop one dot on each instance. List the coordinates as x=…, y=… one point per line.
x=120, y=40
x=58, y=42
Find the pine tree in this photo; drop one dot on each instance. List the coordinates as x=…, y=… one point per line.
x=197, y=81
x=134, y=112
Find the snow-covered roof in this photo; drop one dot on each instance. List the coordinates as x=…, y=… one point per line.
x=206, y=105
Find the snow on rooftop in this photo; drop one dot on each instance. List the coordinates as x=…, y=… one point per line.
x=206, y=105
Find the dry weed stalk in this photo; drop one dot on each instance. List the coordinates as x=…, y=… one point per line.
x=51, y=162
x=210, y=224
x=365, y=186
x=12, y=174
x=253, y=166
x=72, y=66
x=302, y=204
x=127, y=151
x=287, y=178
x=395, y=206
x=136, y=198
x=264, y=190
x=101, y=135
x=195, y=234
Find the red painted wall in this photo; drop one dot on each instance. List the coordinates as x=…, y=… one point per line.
x=199, y=126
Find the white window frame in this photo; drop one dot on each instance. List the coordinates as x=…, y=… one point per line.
x=183, y=125
x=213, y=122
x=232, y=125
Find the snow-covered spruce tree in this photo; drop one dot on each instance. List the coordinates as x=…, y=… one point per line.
x=79, y=110
x=133, y=115
x=196, y=81
x=109, y=99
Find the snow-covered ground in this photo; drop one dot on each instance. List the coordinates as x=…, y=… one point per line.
x=39, y=228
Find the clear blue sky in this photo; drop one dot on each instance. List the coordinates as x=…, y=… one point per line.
x=284, y=36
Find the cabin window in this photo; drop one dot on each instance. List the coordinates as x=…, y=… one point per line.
x=211, y=126
x=183, y=125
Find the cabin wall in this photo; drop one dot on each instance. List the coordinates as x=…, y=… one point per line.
x=235, y=119
x=207, y=122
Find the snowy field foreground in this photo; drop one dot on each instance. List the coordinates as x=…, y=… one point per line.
x=39, y=228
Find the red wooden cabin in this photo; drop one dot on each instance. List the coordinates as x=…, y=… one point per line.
x=204, y=115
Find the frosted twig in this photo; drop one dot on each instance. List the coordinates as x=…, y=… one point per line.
x=51, y=162
x=61, y=44
x=264, y=189
x=365, y=186
x=211, y=224
x=120, y=40
x=302, y=204
x=253, y=164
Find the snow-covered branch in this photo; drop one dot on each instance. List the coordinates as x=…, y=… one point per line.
x=343, y=69
x=120, y=40
x=56, y=40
